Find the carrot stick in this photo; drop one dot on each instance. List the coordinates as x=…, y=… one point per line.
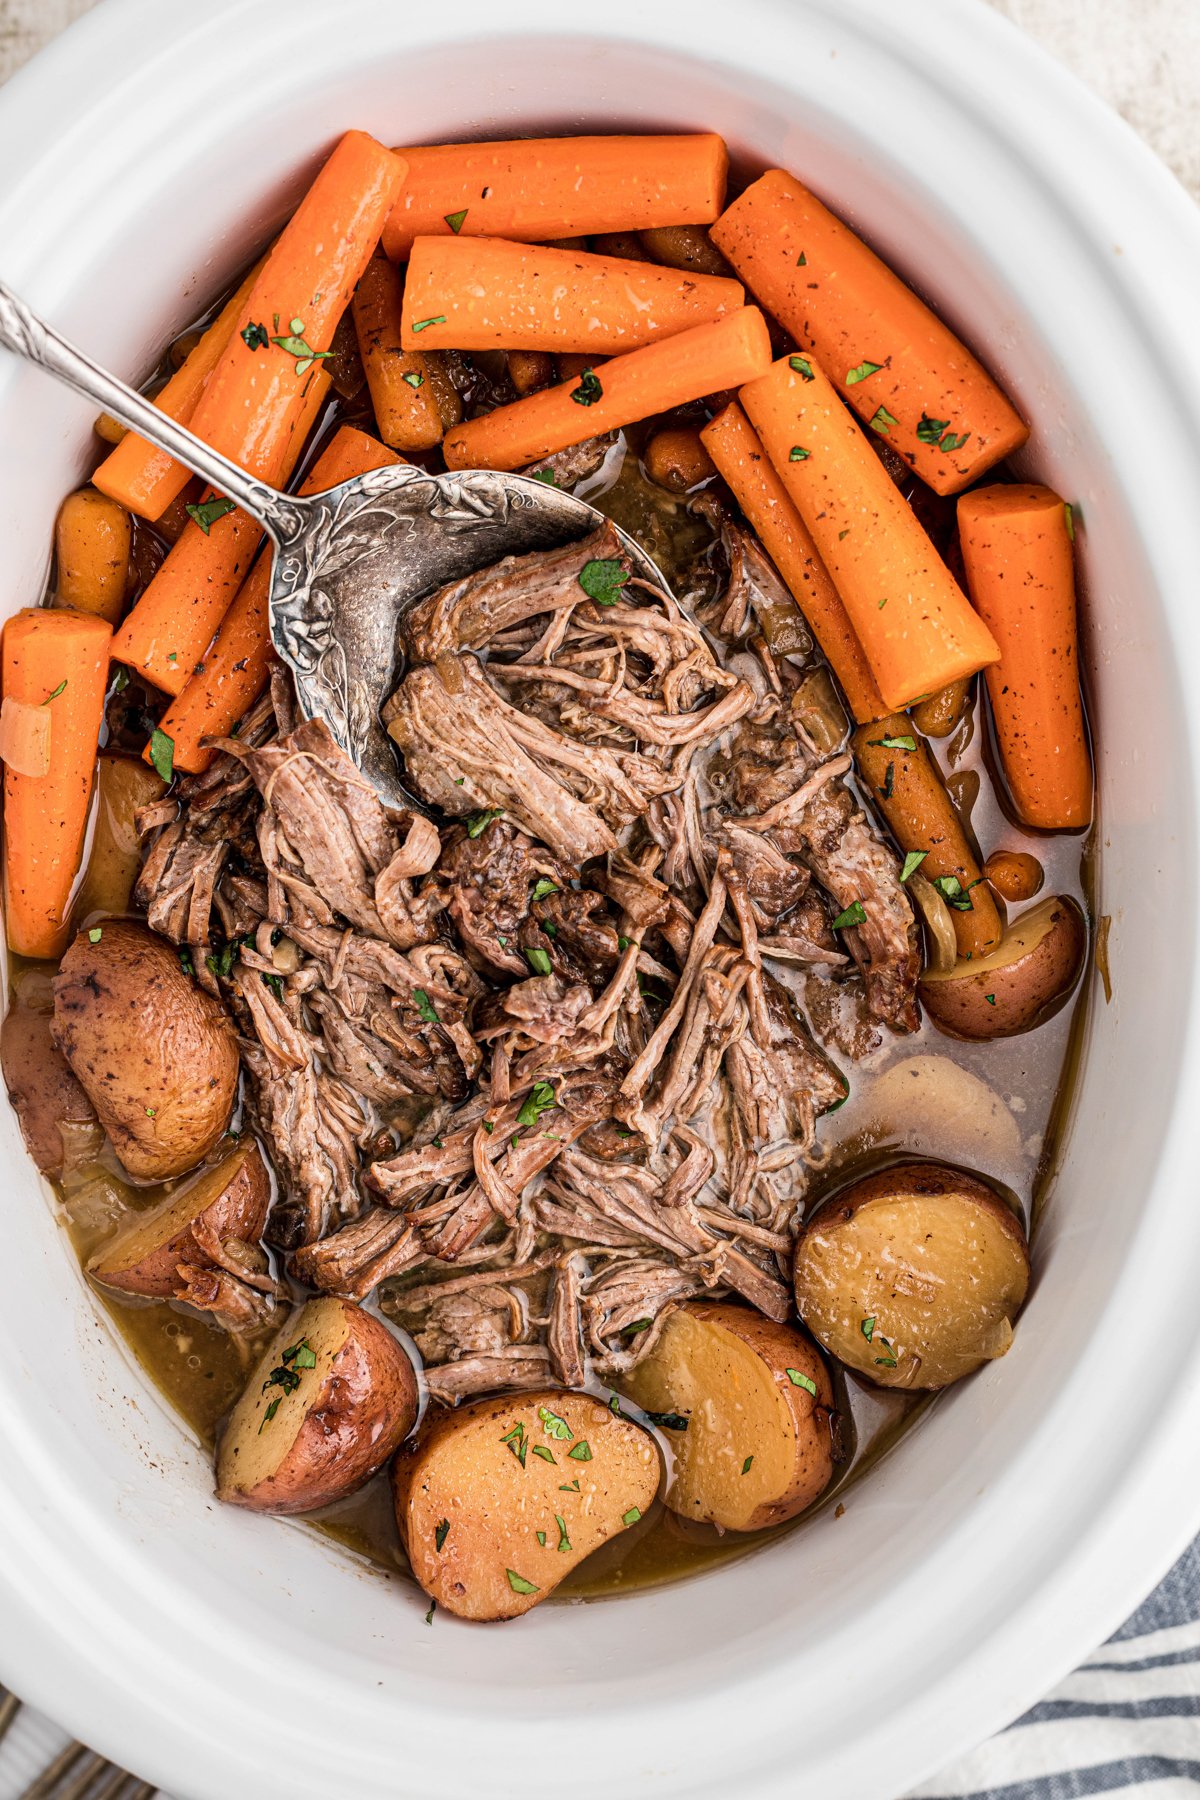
x=92, y=540
x=741, y=459
x=892, y=358
x=1016, y=545
x=630, y=387
x=912, y=619
x=236, y=665
x=895, y=765
x=485, y=294
x=941, y=712
x=294, y=306
x=60, y=659
x=137, y=475
x=404, y=395
x=534, y=189
x=172, y=624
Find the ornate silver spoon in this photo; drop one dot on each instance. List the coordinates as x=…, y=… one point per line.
x=348, y=562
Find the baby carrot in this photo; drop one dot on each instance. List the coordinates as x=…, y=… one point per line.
x=630, y=387
x=535, y=189
x=484, y=294
x=137, y=475
x=912, y=619
x=892, y=358
x=57, y=659
x=904, y=783
x=236, y=665
x=167, y=632
x=741, y=459
x=404, y=398
x=92, y=539
x=292, y=311
x=1016, y=546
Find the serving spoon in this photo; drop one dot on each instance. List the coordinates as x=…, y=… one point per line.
x=346, y=563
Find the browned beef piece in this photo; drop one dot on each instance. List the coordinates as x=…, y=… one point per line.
x=781, y=1081
x=354, y=1260
x=465, y=615
x=487, y=883
x=773, y=884
x=467, y=751
x=332, y=821
x=543, y=1009
x=578, y=933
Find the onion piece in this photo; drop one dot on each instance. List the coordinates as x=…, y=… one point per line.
x=940, y=926
x=25, y=737
x=816, y=706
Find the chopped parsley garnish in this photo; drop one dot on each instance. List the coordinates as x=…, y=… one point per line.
x=295, y=345
x=455, y=220
x=889, y=781
x=668, y=1421
x=580, y=1452
x=569, y=1487
x=549, y=927
x=489, y=1125
x=888, y=1361
x=853, y=915
x=269, y=1414
x=255, y=337
x=223, y=961
x=802, y=1381
x=94, y=935
x=1069, y=519
x=275, y=983
x=896, y=743
x=868, y=1328
x=632, y=1516
x=301, y=1355
x=517, y=1442
x=881, y=420
x=539, y=960
x=546, y=475
x=589, y=389
x=802, y=366
x=430, y=1613
x=518, y=1583
x=937, y=433
x=912, y=863
x=541, y=1538
x=54, y=696
x=438, y=1143
x=746, y=1466
x=564, y=1542
x=954, y=893
x=477, y=823
x=802, y=261
x=638, y=1325
x=541, y=1099
x=122, y=680
x=542, y=887
x=425, y=1006
x=185, y=959
x=602, y=579
x=545, y=1454
x=990, y=998
x=442, y=1533
x=151, y=1112
x=950, y=442
x=414, y=378
x=555, y=1427
x=162, y=753
x=209, y=511
x=424, y=324
x=860, y=371
x=798, y=453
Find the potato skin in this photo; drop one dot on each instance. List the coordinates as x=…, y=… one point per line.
x=155, y=1054
x=363, y=1410
x=459, y=1472
x=44, y=1093
x=1025, y=991
x=238, y=1209
x=936, y=1226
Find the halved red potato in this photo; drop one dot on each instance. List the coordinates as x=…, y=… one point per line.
x=224, y=1204
x=758, y=1446
x=328, y=1404
x=913, y=1276
x=44, y=1093
x=1021, y=984
x=498, y=1501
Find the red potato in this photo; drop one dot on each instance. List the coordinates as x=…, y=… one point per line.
x=498, y=1501
x=913, y=1276
x=1024, y=981
x=44, y=1094
x=156, y=1055
x=756, y=1396
x=225, y=1204
x=329, y=1403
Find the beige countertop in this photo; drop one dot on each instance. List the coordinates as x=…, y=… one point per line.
x=1142, y=56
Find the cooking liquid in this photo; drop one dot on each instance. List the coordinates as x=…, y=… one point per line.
x=999, y=1116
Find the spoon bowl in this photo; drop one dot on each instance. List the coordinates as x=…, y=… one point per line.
x=349, y=562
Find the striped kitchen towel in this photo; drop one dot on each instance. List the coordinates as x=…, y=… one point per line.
x=1125, y=1724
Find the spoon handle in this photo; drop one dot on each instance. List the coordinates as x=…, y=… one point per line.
x=22, y=331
